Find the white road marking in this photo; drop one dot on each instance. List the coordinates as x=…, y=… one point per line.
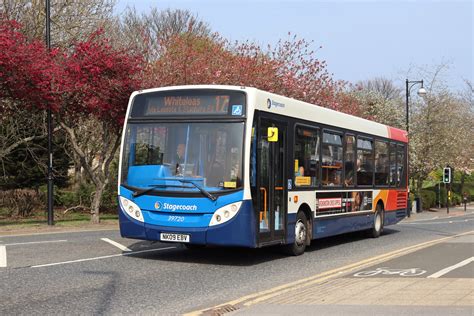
x=3, y=257
x=437, y=223
x=35, y=242
x=116, y=244
x=451, y=268
x=62, y=232
x=102, y=257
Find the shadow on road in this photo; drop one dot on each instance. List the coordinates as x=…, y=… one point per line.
x=235, y=256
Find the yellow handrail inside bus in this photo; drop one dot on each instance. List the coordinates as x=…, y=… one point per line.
x=264, y=204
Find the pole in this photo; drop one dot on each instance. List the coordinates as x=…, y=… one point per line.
x=50, y=127
x=439, y=195
x=407, y=92
x=448, y=196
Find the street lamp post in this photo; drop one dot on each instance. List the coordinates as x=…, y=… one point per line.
x=421, y=92
x=50, y=126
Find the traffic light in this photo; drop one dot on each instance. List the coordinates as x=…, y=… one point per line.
x=447, y=175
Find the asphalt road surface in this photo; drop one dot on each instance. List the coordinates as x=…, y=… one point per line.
x=101, y=273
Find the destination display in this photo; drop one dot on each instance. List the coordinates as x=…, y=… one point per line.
x=199, y=102
x=218, y=104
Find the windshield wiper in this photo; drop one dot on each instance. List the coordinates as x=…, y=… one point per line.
x=145, y=191
x=203, y=191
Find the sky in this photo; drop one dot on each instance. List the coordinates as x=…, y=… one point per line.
x=360, y=40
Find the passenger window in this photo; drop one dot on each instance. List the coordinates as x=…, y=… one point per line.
x=306, y=160
x=349, y=161
x=393, y=164
x=365, y=161
x=381, y=163
x=332, y=159
x=401, y=171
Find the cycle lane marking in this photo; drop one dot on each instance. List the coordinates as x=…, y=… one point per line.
x=255, y=298
x=404, y=272
x=451, y=268
x=116, y=244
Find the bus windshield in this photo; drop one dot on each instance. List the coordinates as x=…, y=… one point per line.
x=183, y=156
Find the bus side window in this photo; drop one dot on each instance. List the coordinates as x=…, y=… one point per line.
x=393, y=164
x=401, y=170
x=381, y=163
x=306, y=160
x=365, y=161
x=349, y=160
x=332, y=159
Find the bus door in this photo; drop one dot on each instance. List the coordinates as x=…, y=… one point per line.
x=271, y=194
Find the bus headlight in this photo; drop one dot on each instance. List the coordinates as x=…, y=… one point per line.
x=131, y=209
x=225, y=213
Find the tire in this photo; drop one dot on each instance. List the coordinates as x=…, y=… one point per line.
x=377, y=227
x=301, y=236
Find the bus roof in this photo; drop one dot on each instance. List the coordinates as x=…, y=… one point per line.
x=274, y=103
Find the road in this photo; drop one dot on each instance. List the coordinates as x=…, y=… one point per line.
x=101, y=273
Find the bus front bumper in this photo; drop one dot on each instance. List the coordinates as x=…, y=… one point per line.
x=239, y=231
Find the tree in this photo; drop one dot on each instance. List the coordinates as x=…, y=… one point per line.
x=71, y=21
x=23, y=154
x=290, y=69
x=145, y=32
x=441, y=130
x=381, y=101
x=383, y=87
x=92, y=81
x=102, y=79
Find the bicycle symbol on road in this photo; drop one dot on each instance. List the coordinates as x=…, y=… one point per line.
x=386, y=271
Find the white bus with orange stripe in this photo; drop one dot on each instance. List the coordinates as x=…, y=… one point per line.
x=260, y=169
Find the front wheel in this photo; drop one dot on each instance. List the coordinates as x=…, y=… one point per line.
x=301, y=234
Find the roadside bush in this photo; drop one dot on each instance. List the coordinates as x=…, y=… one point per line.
x=21, y=202
x=456, y=196
x=67, y=198
x=428, y=199
x=109, y=199
x=83, y=197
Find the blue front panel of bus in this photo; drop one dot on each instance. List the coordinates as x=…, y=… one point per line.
x=190, y=216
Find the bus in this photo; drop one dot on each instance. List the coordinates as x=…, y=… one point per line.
x=237, y=166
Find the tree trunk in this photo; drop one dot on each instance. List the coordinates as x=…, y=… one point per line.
x=96, y=201
x=77, y=172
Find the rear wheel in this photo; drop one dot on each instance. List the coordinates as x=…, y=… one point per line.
x=301, y=235
x=377, y=228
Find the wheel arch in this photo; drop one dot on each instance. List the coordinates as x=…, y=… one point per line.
x=382, y=205
x=309, y=217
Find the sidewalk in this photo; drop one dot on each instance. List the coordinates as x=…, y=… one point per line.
x=434, y=213
x=350, y=296
x=348, y=293
x=10, y=230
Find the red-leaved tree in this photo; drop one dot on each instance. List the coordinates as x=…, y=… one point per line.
x=100, y=81
x=87, y=87
x=289, y=69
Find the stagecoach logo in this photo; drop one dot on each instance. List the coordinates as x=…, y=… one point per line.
x=271, y=103
x=175, y=207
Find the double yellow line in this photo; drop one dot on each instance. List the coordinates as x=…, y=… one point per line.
x=258, y=297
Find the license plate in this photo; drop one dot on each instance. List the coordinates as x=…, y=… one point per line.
x=174, y=237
